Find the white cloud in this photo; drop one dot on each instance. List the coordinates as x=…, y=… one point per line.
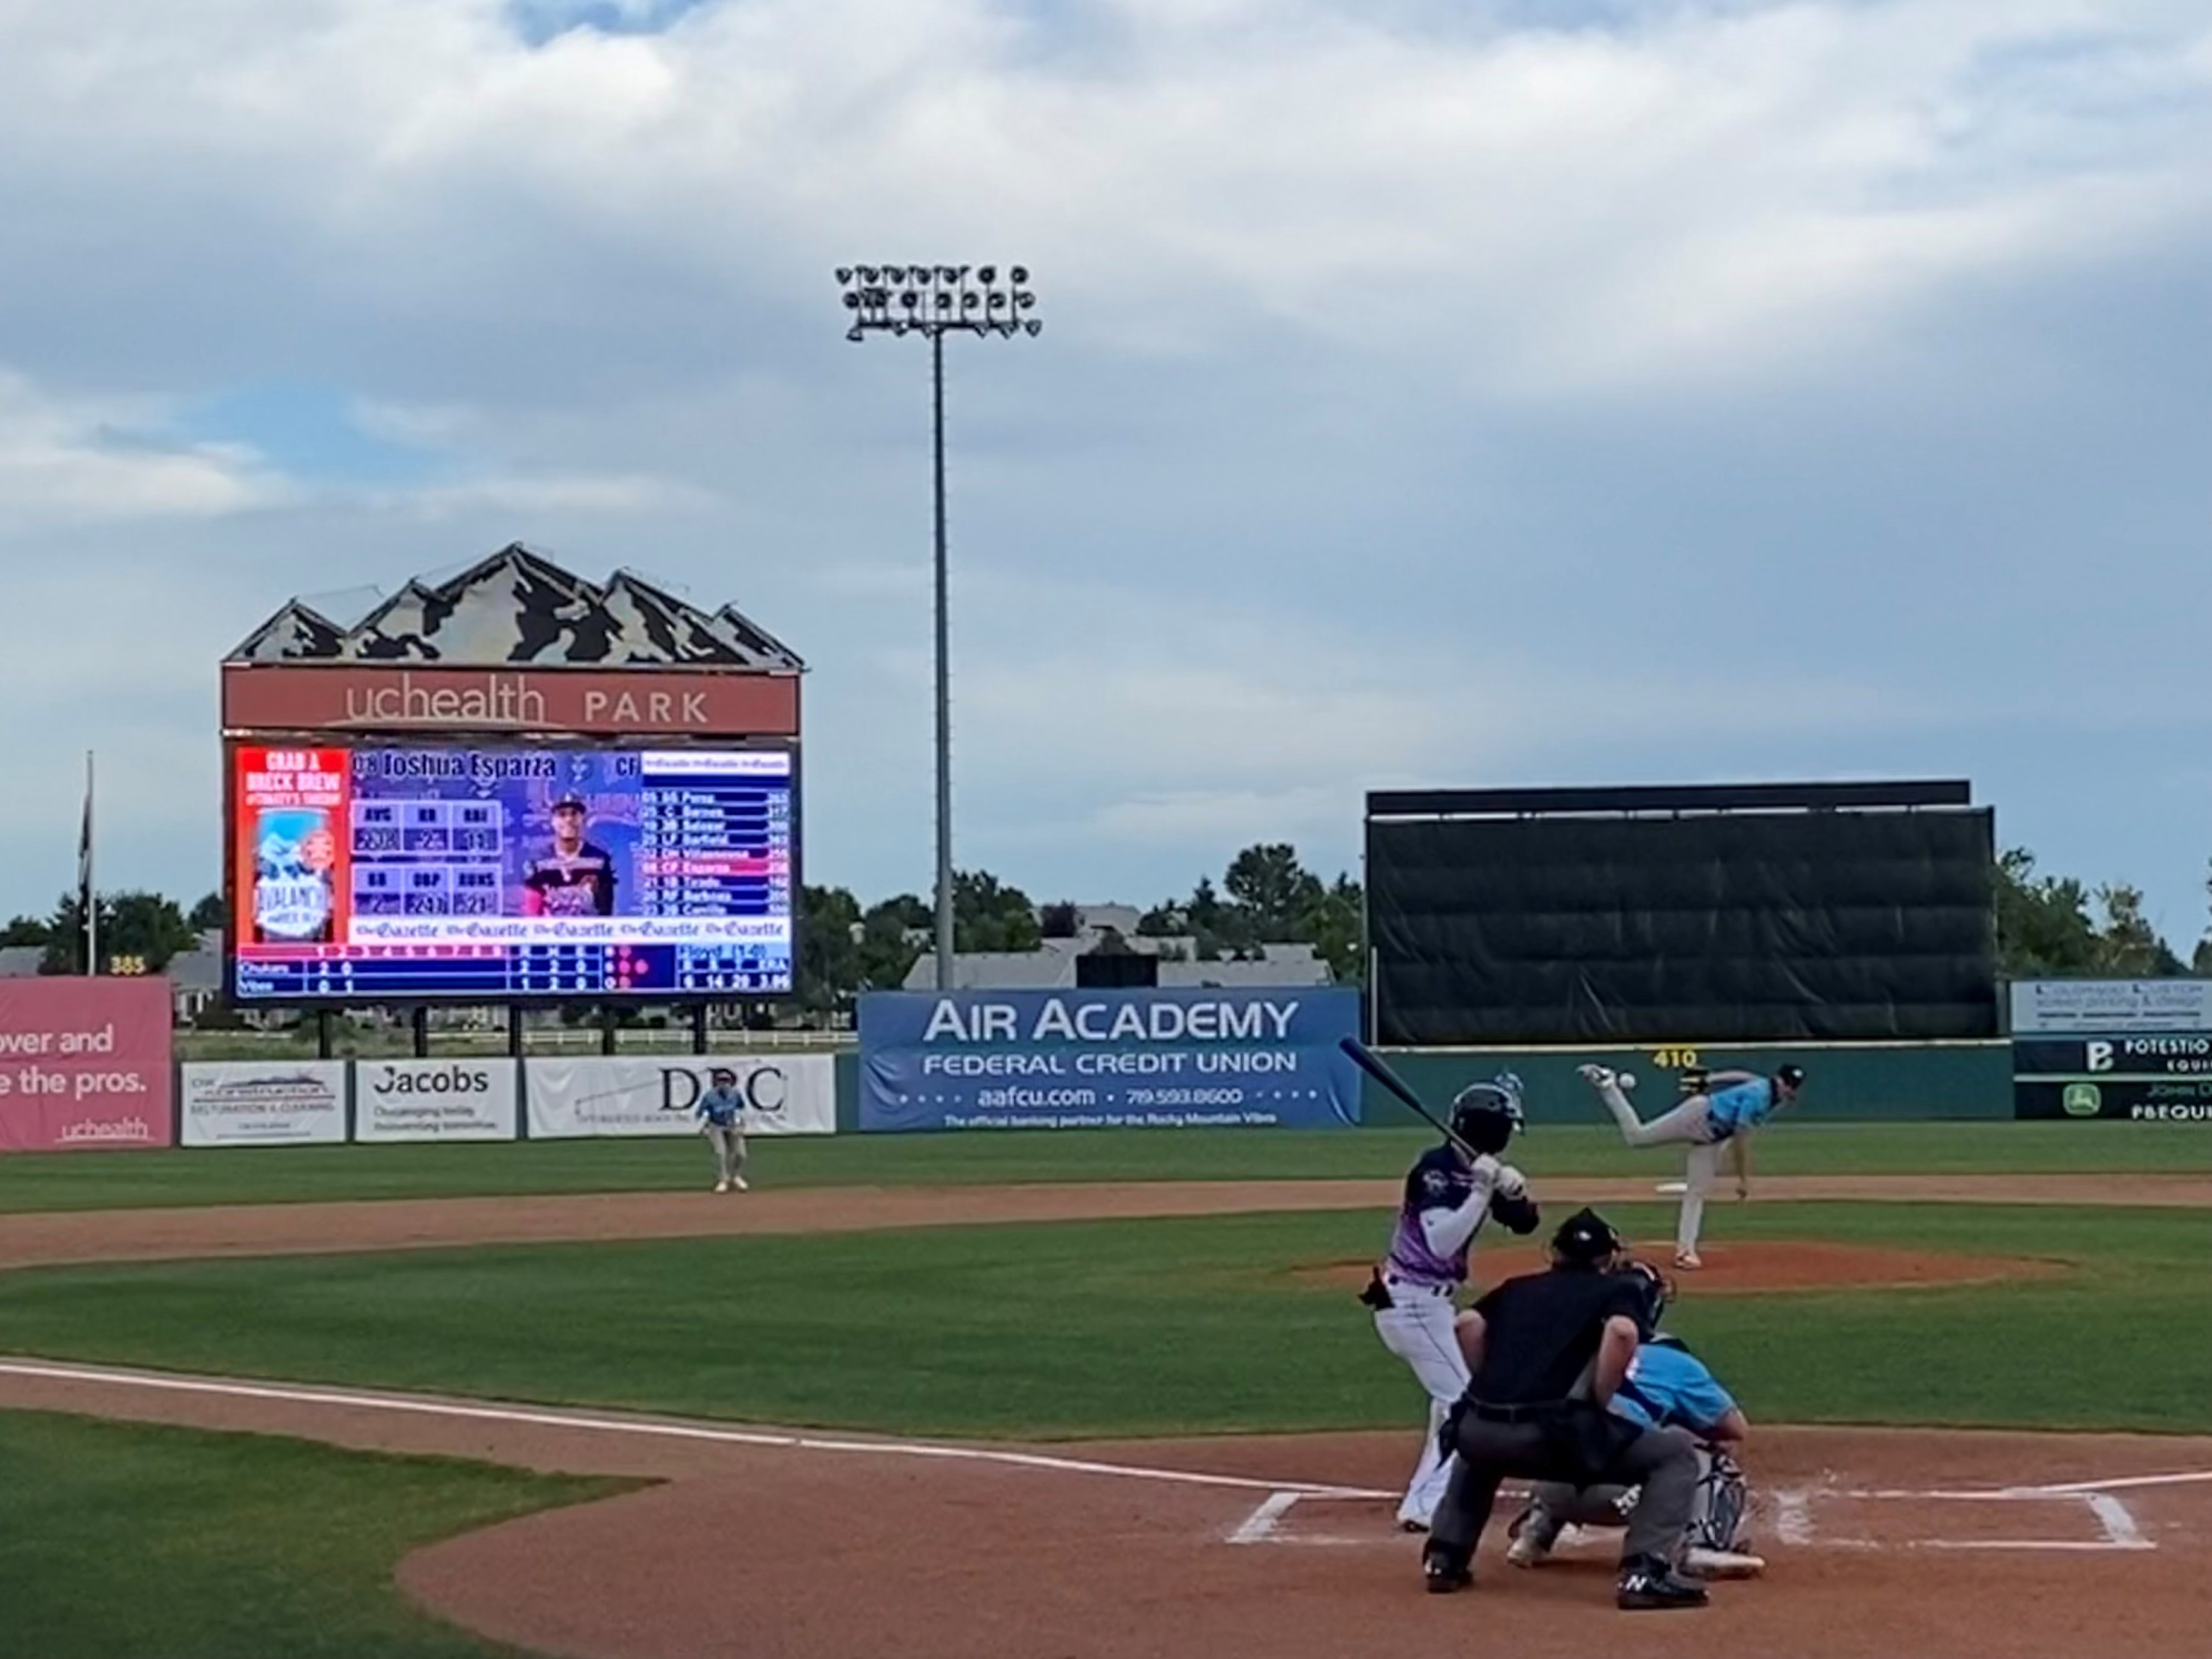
x=67, y=459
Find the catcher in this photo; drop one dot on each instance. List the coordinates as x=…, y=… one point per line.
x=1667, y=1386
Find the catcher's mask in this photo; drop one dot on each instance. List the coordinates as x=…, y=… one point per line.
x=1655, y=1288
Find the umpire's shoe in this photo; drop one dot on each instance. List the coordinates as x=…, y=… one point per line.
x=1444, y=1570
x=1647, y=1581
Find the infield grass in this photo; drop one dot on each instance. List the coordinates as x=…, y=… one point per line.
x=121, y=1542
x=1131, y=1328
x=81, y=1181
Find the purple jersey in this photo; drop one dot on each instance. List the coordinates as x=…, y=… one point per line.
x=1441, y=1180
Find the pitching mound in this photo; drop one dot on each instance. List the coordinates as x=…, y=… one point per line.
x=1759, y=1266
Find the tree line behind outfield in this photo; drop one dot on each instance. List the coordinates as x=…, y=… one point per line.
x=2048, y=926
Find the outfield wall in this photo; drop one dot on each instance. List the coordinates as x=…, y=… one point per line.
x=1843, y=1082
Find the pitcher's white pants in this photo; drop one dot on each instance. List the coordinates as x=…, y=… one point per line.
x=1689, y=1124
x=1418, y=1328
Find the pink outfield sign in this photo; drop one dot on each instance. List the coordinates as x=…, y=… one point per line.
x=84, y=1063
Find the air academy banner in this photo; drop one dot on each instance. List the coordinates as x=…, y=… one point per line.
x=1066, y=1059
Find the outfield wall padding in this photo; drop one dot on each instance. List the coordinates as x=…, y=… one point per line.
x=1855, y=1083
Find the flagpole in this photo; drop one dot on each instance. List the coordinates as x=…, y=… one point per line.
x=87, y=893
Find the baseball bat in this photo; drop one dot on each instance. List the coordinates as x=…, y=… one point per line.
x=1379, y=1068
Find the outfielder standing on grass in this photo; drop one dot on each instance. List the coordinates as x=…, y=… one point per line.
x=1724, y=1107
x=720, y=1112
x=1449, y=1193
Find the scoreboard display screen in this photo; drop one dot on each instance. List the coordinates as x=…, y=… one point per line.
x=394, y=873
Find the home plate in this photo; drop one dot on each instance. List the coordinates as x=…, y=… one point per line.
x=1672, y=1188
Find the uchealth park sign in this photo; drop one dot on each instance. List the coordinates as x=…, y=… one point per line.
x=599, y=702
x=1180, y=1058
x=84, y=1063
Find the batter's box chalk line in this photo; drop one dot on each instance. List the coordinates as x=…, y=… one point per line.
x=1793, y=1511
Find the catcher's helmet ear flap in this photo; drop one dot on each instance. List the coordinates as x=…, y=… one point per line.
x=1585, y=1239
x=1483, y=1116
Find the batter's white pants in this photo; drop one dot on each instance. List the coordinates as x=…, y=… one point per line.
x=1418, y=1328
x=1689, y=1123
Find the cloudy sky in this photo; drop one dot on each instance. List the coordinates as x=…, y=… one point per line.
x=1431, y=392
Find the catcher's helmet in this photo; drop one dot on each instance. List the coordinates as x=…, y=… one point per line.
x=1485, y=1114
x=1655, y=1288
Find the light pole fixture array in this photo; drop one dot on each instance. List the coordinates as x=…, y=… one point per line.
x=935, y=301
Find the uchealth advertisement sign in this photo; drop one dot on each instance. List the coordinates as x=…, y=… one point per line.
x=260, y=1103
x=1068, y=1060
x=433, y=1100
x=622, y=1094
x=84, y=1062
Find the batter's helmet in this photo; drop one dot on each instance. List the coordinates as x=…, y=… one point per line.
x=1485, y=1114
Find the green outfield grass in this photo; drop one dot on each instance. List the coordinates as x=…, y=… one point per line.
x=119, y=1541
x=1137, y=1327
x=82, y=1181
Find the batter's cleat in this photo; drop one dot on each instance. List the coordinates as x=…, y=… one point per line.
x=1687, y=1260
x=1532, y=1533
x=1597, y=1076
x=1648, y=1583
x=1700, y=1563
x=1412, y=1523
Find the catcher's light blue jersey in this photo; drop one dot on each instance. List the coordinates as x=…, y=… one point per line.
x=1670, y=1387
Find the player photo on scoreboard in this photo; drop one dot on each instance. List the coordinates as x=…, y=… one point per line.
x=574, y=875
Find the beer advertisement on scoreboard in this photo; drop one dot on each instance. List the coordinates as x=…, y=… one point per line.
x=400, y=872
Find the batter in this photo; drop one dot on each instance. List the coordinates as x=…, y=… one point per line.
x=1450, y=1192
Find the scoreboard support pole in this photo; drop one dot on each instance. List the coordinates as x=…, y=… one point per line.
x=514, y=1030
x=323, y=1044
x=698, y=1028
x=607, y=1028
x=421, y=1024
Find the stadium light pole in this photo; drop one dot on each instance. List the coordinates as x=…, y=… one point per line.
x=933, y=301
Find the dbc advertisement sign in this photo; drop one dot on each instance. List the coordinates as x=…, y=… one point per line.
x=259, y=1103
x=783, y=1094
x=84, y=1062
x=1066, y=1060
x=433, y=1100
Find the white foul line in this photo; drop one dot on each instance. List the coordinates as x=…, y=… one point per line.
x=1259, y=1526
x=599, y=1424
x=2124, y=1482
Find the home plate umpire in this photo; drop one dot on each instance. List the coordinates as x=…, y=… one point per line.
x=1546, y=1350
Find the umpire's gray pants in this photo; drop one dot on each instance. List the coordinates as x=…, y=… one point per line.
x=1663, y=1461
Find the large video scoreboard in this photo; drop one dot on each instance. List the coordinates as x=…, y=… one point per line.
x=398, y=871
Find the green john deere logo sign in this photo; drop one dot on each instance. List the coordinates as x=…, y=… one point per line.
x=2082, y=1100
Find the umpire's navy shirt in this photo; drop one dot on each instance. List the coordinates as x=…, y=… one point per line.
x=1540, y=1332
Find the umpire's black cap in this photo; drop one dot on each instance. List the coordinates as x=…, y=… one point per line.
x=1585, y=1239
